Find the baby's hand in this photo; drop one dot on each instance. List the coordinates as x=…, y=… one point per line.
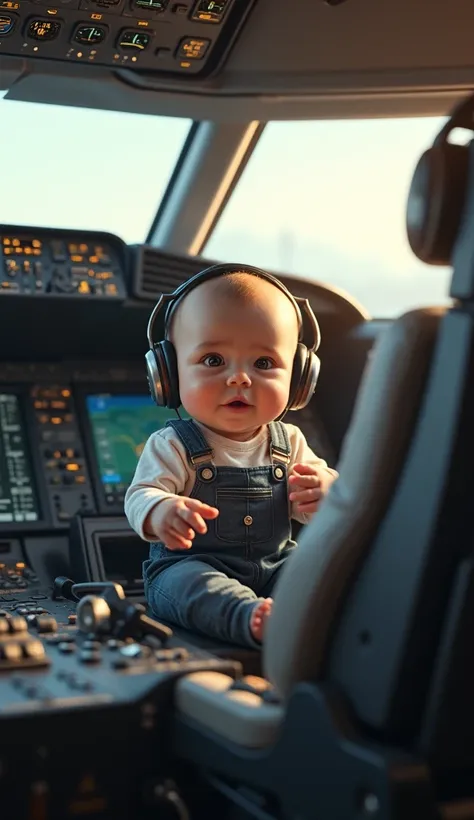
x=176, y=520
x=308, y=485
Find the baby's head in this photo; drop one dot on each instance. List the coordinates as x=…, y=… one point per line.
x=235, y=338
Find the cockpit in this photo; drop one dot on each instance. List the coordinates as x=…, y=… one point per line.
x=146, y=141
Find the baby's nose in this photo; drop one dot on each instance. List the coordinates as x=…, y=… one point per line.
x=240, y=378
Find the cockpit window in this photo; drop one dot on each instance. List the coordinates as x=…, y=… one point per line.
x=327, y=200
x=83, y=168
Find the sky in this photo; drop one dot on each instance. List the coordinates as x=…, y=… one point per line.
x=321, y=199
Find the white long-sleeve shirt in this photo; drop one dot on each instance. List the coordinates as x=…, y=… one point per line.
x=164, y=470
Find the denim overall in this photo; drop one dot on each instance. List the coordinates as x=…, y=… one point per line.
x=213, y=587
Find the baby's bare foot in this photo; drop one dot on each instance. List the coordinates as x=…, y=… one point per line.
x=259, y=616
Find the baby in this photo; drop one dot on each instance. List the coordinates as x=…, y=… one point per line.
x=215, y=494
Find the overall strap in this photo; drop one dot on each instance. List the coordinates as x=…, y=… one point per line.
x=280, y=449
x=193, y=441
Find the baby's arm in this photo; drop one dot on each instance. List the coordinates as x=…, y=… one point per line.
x=154, y=504
x=309, y=478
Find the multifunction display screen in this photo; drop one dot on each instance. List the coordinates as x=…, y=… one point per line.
x=18, y=501
x=121, y=425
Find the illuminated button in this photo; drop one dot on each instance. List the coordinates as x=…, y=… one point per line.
x=248, y=520
x=279, y=472
x=131, y=40
x=210, y=11
x=192, y=48
x=34, y=649
x=11, y=651
x=88, y=35
x=7, y=24
x=43, y=29
x=17, y=624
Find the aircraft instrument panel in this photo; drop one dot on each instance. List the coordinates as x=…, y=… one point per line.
x=43, y=262
x=190, y=37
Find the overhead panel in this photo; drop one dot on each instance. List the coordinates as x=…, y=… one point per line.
x=240, y=60
x=167, y=38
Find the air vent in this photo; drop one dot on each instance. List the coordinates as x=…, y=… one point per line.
x=157, y=272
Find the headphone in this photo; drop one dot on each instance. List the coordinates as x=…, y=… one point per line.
x=438, y=192
x=161, y=363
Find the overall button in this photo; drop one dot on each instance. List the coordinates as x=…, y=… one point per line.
x=278, y=472
x=206, y=474
x=248, y=520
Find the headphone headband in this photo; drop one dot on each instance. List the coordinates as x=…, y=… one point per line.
x=173, y=299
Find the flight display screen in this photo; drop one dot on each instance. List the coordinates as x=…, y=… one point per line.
x=121, y=425
x=18, y=501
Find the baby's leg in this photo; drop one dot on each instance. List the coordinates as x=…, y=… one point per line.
x=194, y=595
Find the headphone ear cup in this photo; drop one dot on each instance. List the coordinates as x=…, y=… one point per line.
x=162, y=375
x=170, y=368
x=304, y=377
x=436, y=201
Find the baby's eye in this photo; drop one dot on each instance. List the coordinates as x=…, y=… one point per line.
x=264, y=363
x=213, y=360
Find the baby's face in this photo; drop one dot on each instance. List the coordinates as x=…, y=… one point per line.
x=235, y=358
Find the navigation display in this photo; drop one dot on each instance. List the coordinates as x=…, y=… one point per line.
x=121, y=425
x=18, y=501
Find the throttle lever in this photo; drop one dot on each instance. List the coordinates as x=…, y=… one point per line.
x=65, y=588
x=117, y=618
x=104, y=609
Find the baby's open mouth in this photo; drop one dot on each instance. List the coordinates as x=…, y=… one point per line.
x=237, y=404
